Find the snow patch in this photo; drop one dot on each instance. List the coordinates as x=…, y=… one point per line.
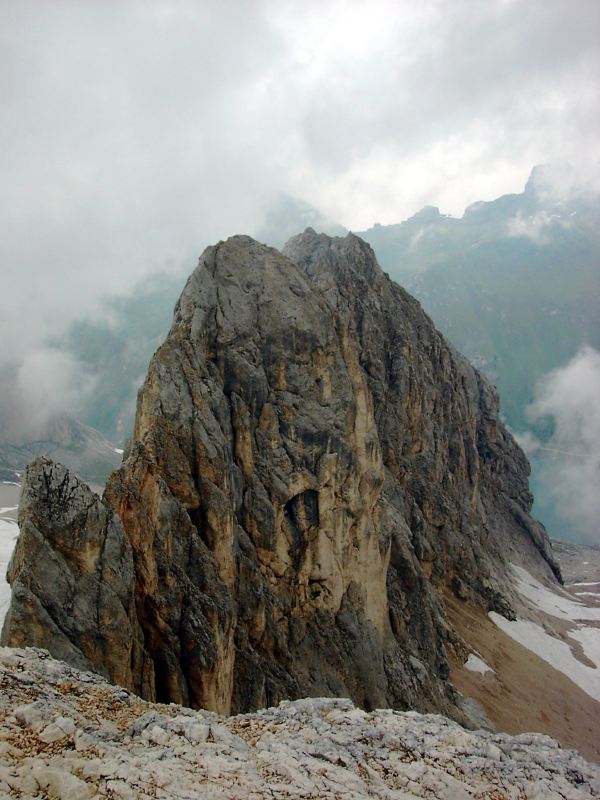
x=590, y=583
x=589, y=639
x=556, y=652
x=552, y=603
x=118, y=450
x=476, y=664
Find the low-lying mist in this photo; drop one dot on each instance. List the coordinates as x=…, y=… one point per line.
x=567, y=402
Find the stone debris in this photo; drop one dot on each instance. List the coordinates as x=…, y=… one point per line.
x=69, y=734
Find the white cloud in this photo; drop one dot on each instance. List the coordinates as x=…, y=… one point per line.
x=135, y=133
x=536, y=226
x=528, y=442
x=33, y=392
x=570, y=397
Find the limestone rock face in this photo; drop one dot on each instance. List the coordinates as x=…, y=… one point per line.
x=312, y=467
x=460, y=470
x=72, y=577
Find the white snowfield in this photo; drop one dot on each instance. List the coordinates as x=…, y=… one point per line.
x=9, y=531
x=561, y=605
x=556, y=651
x=67, y=734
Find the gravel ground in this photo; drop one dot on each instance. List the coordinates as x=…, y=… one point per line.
x=67, y=734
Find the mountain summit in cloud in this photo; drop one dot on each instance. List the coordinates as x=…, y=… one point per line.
x=314, y=471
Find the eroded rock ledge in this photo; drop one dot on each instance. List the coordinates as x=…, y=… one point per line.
x=68, y=734
x=312, y=466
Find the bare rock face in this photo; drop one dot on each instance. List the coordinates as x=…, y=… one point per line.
x=312, y=467
x=72, y=577
x=438, y=424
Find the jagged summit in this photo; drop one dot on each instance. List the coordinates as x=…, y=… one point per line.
x=344, y=259
x=313, y=471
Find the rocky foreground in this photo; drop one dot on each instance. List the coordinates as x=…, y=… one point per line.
x=68, y=734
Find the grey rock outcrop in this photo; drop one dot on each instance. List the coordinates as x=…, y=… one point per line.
x=312, y=468
x=68, y=734
x=72, y=577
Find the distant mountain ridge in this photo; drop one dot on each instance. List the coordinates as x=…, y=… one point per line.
x=84, y=450
x=514, y=283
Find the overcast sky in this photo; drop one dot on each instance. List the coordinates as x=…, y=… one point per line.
x=133, y=133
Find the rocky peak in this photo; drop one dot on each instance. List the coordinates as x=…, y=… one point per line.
x=346, y=257
x=72, y=577
x=313, y=469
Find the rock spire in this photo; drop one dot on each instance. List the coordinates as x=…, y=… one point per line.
x=313, y=469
